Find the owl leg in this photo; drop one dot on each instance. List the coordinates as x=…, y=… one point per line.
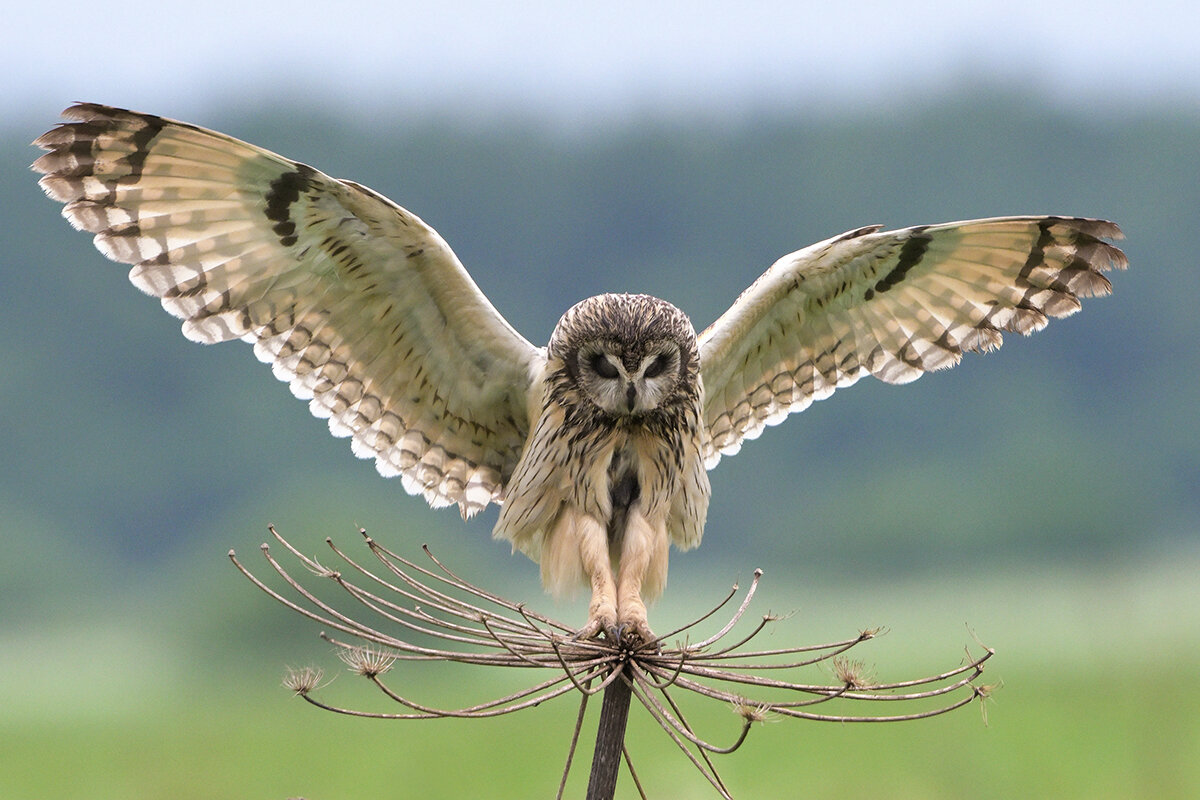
x=593, y=557
x=643, y=561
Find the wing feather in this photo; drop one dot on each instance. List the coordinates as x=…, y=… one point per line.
x=356, y=303
x=893, y=304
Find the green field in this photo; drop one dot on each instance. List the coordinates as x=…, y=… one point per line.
x=1097, y=701
x=1079, y=733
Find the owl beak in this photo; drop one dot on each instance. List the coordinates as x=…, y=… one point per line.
x=630, y=395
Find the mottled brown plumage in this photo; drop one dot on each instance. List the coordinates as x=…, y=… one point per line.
x=596, y=446
x=613, y=470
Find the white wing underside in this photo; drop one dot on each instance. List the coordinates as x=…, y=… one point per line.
x=893, y=304
x=355, y=302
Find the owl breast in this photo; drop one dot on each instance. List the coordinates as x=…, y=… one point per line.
x=576, y=463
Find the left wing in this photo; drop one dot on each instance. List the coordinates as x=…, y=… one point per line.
x=893, y=304
x=358, y=304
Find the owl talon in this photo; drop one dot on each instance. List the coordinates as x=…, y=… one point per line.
x=598, y=623
x=635, y=633
x=590, y=631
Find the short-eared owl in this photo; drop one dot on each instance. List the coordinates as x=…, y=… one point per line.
x=597, y=445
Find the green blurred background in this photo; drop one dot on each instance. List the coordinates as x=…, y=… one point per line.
x=1043, y=498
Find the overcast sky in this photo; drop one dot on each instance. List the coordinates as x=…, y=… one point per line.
x=578, y=62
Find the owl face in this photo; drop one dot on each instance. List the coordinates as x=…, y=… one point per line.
x=627, y=380
x=625, y=354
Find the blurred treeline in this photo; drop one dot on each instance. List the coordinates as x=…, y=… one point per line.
x=126, y=447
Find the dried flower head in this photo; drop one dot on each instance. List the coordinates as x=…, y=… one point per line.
x=304, y=680
x=751, y=712
x=985, y=691
x=853, y=674
x=367, y=661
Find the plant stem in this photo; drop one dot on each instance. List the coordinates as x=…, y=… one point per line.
x=610, y=736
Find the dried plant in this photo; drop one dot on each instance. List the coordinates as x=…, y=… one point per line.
x=433, y=615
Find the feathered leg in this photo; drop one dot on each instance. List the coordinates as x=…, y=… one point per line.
x=592, y=540
x=643, y=564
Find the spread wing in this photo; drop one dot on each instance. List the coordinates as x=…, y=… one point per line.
x=359, y=305
x=893, y=304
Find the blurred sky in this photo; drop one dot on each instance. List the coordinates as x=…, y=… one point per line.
x=577, y=65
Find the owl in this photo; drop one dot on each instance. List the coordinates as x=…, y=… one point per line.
x=596, y=446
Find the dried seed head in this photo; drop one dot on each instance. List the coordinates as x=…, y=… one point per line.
x=984, y=692
x=751, y=712
x=320, y=570
x=852, y=674
x=367, y=661
x=302, y=681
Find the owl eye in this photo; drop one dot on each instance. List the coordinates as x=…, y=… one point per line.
x=657, y=366
x=602, y=366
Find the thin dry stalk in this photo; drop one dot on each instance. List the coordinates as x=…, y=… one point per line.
x=411, y=613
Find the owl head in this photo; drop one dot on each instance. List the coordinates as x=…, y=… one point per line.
x=627, y=354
